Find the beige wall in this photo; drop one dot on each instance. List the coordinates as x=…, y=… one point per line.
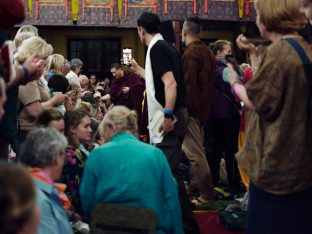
x=220, y=35
x=128, y=37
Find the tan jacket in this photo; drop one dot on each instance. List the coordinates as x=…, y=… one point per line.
x=278, y=149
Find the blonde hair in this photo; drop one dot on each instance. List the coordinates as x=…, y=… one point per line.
x=280, y=16
x=19, y=38
x=122, y=118
x=28, y=28
x=33, y=46
x=84, y=106
x=56, y=63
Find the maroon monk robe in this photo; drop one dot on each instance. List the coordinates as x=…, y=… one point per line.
x=133, y=99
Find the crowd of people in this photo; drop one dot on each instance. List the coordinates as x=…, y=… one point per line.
x=70, y=140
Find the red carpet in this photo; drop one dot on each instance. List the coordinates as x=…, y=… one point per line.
x=209, y=223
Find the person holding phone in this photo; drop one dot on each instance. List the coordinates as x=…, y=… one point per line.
x=165, y=92
x=277, y=154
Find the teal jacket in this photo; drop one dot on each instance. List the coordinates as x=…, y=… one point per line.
x=127, y=171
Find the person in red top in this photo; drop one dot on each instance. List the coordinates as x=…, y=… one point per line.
x=248, y=75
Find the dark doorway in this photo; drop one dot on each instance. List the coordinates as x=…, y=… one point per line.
x=97, y=54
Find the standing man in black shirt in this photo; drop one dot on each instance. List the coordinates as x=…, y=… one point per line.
x=166, y=93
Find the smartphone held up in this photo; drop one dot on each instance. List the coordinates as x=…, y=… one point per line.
x=126, y=56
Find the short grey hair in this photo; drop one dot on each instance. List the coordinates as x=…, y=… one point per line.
x=66, y=62
x=41, y=146
x=75, y=63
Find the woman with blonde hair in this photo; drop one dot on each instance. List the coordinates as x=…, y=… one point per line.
x=28, y=28
x=34, y=96
x=277, y=154
x=19, y=38
x=127, y=171
x=55, y=65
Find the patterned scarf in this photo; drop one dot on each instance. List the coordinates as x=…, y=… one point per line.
x=42, y=176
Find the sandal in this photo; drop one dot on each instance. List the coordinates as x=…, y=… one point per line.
x=199, y=201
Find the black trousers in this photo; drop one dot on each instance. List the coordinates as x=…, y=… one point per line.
x=222, y=142
x=4, y=149
x=172, y=148
x=279, y=214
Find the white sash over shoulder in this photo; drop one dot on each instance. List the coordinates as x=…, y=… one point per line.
x=153, y=105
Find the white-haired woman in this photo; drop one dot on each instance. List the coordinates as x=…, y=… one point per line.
x=44, y=152
x=34, y=96
x=130, y=172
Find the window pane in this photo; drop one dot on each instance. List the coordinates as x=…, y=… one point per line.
x=96, y=54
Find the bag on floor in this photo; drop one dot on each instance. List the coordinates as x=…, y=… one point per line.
x=233, y=218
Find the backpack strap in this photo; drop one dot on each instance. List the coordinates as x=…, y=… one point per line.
x=304, y=58
x=300, y=51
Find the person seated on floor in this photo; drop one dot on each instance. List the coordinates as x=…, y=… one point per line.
x=43, y=152
x=77, y=132
x=52, y=118
x=129, y=172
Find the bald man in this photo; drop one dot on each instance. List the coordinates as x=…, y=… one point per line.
x=84, y=84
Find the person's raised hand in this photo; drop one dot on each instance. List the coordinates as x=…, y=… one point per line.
x=244, y=44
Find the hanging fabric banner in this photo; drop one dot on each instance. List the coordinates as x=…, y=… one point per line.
x=126, y=8
x=241, y=8
x=29, y=7
x=75, y=10
x=100, y=4
x=66, y=9
x=206, y=7
x=166, y=6
x=155, y=6
x=151, y=4
x=119, y=6
x=37, y=9
x=83, y=9
x=247, y=8
x=111, y=10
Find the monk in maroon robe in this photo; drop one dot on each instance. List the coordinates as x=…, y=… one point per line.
x=127, y=89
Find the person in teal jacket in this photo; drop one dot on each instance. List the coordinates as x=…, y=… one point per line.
x=129, y=172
